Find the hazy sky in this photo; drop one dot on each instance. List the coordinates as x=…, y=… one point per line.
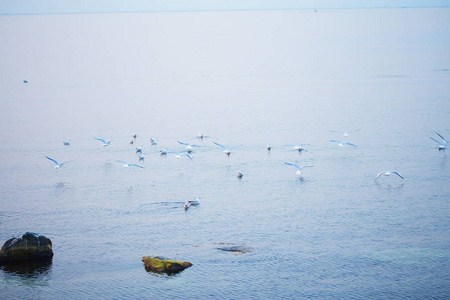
x=91, y=6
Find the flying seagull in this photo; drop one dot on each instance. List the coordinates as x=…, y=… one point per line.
x=298, y=147
x=342, y=144
x=345, y=133
x=387, y=173
x=227, y=150
x=443, y=145
x=66, y=143
x=299, y=168
x=188, y=146
x=57, y=164
x=127, y=165
x=179, y=155
x=104, y=142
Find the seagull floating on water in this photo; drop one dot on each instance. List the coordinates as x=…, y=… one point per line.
x=227, y=150
x=345, y=133
x=134, y=136
x=163, y=152
x=141, y=157
x=58, y=165
x=139, y=149
x=66, y=143
x=268, y=147
x=299, y=168
x=131, y=142
x=195, y=202
x=387, y=173
x=186, y=206
x=443, y=145
x=342, y=144
x=240, y=174
x=298, y=147
x=179, y=155
x=104, y=142
x=188, y=146
x=153, y=141
x=127, y=165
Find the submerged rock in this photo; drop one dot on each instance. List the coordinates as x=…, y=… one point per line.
x=159, y=264
x=234, y=248
x=29, y=246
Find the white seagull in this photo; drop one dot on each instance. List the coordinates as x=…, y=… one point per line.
x=387, y=173
x=139, y=149
x=188, y=146
x=345, y=133
x=57, y=165
x=141, y=157
x=153, y=141
x=104, y=142
x=127, y=165
x=443, y=145
x=298, y=147
x=163, y=152
x=179, y=155
x=299, y=168
x=195, y=202
x=186, y=206
x=268, y=147
x=66, y=143
x=342, y=144
x=227, y=150
x=240, y=174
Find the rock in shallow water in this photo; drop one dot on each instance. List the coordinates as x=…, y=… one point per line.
x=159, y=265
x=29, y=246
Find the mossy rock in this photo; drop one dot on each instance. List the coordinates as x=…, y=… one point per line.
x=29, y=246
x=160, y=265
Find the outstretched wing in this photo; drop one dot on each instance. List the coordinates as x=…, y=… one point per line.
x=436, y=141
x=104, y=142
x=351, y=144
x=220, y=145
x=186, y=144
x=379, y=174
x=334, y=141
x=292, y=164
x=135, y=165
x=66, y=162
x=52, y=160
x=441, y=137
x=398, y=175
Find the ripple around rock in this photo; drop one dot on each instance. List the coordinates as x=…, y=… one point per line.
x=29, y=246
x=162, y=265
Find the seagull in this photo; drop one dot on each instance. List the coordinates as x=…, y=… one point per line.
x=153, y=141
x=240, y=174
x=200, y=136
x=139, y=149
x=66, y=143
x=345, y=133
x=58, y=165
x=104, y=142
x=268, y=147
x=134, y=136
x=179, y=155
x=342, y=144
x=387, y=173
x=25, y=81
x=186, y=206
x=163, y=152
x=127, y=165
x=443, y=145
x=299, y=168
x=226, y=150
x=131, y=142
x=188, y=146
x=298, y=147
x=141, y=157
x=195, y=202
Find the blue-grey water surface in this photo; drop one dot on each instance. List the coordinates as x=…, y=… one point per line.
x=243, y=79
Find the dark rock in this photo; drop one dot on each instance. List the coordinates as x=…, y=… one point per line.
x=29, y=246
x=160, y=265
x=235, y=248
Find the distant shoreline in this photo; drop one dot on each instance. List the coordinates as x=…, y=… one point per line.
x=317, y=9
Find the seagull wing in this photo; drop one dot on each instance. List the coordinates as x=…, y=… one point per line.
x=398, y=174
x=441, y=137
x=351, y=144
x=66, y=162
x=53, y=160
x=104, y=142
x=436, y=141
x=334, y=141
x=292, y=164
x=186, y=144
x=308, y=166
x=354, y=130
x=337, y=131
x=379, y=174
x=121, y=161
x=135, y=165
x=220, y=145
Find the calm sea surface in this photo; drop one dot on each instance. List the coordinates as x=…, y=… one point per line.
x=243, y=79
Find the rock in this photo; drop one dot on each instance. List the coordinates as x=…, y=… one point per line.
x=159, y=265
x=29, y=246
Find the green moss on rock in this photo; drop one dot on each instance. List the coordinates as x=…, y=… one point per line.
x=160, y=265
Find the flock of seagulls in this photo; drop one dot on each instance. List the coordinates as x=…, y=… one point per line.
x=227, y=150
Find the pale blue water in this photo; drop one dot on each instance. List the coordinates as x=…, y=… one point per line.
x=245, y=79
